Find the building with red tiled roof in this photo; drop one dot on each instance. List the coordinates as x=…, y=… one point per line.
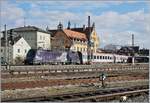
x=75, y=34
x=83, y=39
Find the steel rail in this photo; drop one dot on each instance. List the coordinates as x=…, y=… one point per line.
x=88, y=95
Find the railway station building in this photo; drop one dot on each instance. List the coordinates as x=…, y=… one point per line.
x=75, y=39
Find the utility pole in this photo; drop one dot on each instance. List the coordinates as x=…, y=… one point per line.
x=6, y=51
x=133, y=58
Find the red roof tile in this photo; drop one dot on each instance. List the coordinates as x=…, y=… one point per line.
x=74, y=34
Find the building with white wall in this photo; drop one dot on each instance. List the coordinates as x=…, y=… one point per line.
x=17, y=50
x=35, y=37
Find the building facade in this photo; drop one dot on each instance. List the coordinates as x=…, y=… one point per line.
x=15, y=53
x=78, y=38
x=60, y=41
x=35, y=37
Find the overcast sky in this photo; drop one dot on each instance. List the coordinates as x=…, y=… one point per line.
x=115, y=20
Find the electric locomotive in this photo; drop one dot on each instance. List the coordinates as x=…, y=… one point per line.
x=39, y=56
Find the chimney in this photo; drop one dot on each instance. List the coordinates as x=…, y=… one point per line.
x=88, y=21
x=89, y=29
x=133, y=40
x=83, y=27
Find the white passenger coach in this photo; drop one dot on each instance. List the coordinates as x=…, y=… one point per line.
x=105, y=58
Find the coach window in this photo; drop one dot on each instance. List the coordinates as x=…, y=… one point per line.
x=100, y=57
x=97, y=57
x=94, y=57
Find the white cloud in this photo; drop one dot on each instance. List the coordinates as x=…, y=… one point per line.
x=10, y=13
x=117, y=28
x=111, y=26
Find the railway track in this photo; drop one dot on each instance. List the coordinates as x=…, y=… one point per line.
x=88, y=96
x=71, y=75
x=45, y=82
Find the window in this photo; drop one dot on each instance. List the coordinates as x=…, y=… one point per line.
x=94, y=57
x=2, y=58
x=100, y=57
x=77, y=48
x=43, y=37
x=18, y=50
x=103, y=57
x=25, y=50
x=40, y=37
x=1, y=50
x=97, y=57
